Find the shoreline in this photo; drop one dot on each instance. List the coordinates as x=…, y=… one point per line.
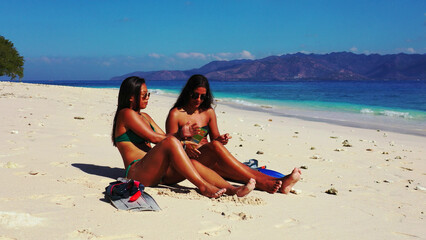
x=379, y=123
x=57, y=156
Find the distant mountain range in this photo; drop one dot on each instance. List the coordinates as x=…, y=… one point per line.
x=299, y=66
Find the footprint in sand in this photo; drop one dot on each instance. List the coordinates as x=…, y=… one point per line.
x=68, y=146
x=238, y=216
x=289, y=222
x=59, y=164
x=83, y=234
x=82, y=181
x=220, y=230
x=233, y=216
x=63, y=200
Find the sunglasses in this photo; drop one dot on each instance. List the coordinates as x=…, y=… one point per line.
x=195, y=96
x=146, y=95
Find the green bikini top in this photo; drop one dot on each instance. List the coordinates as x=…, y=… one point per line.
x=132, y=137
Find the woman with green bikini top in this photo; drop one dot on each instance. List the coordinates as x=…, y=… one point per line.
x=194, y=104
x=134, y=131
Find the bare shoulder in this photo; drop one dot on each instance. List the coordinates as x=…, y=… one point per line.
x=210, y=112
x=146, y=115
x=127, y=112
x=176, y=112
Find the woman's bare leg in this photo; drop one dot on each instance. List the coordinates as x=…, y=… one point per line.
x=227, y=166
x=215, y=179
x=167, y=153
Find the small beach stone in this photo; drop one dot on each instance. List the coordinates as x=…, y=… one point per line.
x=313, y=148
x=332, y=191
x=398, y=157
x=316, y=157
x=420, y=188
x=14, y=132
x=346, y=143
x=259, y=152
x=304, y=167
x=79, y=118
x=369, y=150
x=334, y=137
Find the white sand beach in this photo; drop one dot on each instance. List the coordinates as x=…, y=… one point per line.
x=56, y=158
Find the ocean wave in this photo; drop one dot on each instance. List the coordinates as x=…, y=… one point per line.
x=396, y=114
x=157, y=91
x=387, y=113
x=244, y=103
x=367, y=111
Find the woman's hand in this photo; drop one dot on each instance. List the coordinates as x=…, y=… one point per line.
x=188, y=130
x=192, y=149
x=223, y=138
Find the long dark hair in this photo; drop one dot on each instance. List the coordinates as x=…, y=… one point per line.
x=130, y=87
x=195, y=81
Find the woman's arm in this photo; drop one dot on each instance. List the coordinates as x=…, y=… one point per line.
x=172, y=122
x=136, y=123
x=154, y=124
x=214, y=130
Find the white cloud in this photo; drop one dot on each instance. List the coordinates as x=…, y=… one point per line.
x=411, y=50
x=303, y=51
x=46, y=59
x=353, y=49
x=191, y=55
x=155, y=55
x=246, y=55
x=224, y=56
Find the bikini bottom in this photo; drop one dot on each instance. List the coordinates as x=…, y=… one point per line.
x=128, y=167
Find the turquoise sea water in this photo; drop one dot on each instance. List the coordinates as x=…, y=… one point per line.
x=387, y=105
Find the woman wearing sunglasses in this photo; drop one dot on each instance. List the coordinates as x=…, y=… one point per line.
x=134, y=131
x=194, y=105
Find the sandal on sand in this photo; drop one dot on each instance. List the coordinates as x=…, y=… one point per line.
x=127, y=194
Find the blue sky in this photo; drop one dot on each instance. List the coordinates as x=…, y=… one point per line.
x=96, y=40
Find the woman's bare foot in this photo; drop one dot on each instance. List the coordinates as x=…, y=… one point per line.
x=213, y=192
x=290, y=180
x=246, y=189
x=269, y=185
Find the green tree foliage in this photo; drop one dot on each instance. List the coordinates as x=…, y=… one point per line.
x=11, y=63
